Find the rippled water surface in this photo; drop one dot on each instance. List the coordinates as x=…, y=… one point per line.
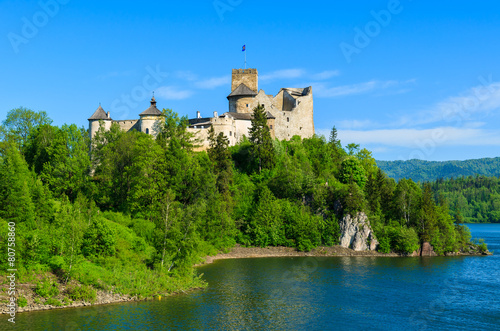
x=348, y=293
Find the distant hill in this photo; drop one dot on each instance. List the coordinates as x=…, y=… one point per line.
x=419, y=170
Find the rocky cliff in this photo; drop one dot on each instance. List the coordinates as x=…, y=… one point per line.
x=356, y=233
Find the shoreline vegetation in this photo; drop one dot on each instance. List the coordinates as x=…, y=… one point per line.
x=131, y=213
x=33, y=302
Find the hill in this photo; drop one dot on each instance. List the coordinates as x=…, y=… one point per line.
x=420, y=171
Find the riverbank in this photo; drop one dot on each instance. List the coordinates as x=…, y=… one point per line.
x=34, y=302
x=239, y=252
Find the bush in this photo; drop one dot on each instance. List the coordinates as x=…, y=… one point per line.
x=82, y=293
x=53, y=302
x=47, y=288
x=405, y=240
x=56, y=263
x=22, y=302
x=98, y=240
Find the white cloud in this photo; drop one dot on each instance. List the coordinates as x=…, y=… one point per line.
x=283, y=74
x=325, y=75
x=422, y=138
x=214, y=82
x=354, y=124
x=172, y=93
x=459, y=109
x=322, y=90
x=186, y=75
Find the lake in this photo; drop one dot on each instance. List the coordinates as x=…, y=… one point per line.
x=347, y=293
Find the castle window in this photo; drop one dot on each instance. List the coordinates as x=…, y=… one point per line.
x=147, y=131
x=271, y=127
x=230, y=133
x=288, y=119
x=247, y=105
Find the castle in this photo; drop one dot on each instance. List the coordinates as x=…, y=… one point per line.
x=289, y=113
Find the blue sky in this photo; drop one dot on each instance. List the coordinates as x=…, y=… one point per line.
x=405, y=79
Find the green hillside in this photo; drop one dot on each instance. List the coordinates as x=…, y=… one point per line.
x=420, y=171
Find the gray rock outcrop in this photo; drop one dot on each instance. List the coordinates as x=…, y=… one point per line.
x=356, y=233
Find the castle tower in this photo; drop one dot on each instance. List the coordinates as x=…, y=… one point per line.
x=95, y=121
x=249, y=77
x=149, y=117
x=244, y=88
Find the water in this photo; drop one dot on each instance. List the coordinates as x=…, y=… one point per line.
x=347, y=293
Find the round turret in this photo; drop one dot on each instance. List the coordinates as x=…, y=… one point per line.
x=95, y=121
x=149, y=117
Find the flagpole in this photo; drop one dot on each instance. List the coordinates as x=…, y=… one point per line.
x=245, y=58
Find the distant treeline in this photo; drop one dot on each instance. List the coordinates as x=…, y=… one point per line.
x=427, y=171
x=474, y=199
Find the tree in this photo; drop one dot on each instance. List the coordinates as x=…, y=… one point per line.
x=428, y=216
x=220, y=156
x=67, y=166
x=17, y=205
x=21, y=122
x=352, y=172
x=99, y=239
x=353, y=148
x=407, y=202
x=260, y=137
x=333, y=136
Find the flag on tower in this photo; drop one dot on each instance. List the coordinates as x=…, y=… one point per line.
x=244, y=48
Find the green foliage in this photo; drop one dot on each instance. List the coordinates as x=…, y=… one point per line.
x=481, y=245
x=260, y=137
x=352, y=172
x=98, y=240
x=81, y=293
x=22, y=302
x=474, y=199
x=53, y=302
x=46, y=288
x=21, y=122
x=425, y=171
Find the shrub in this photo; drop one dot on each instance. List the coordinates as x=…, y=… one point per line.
x=82, y=293
x=22, y=302
x=56, y=263
x=98, y=240
x=53, y=302
x=46, y=288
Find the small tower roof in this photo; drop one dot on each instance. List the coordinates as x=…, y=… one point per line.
x=242, y=90
x=152, y=110
x=99, y=114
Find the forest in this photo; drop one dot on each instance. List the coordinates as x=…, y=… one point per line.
x=132, y=213
x=472, y=199
x=428, y=171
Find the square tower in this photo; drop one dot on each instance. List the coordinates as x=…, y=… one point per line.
x=249, y=77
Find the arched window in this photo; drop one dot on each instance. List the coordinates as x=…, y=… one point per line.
x=147, y=131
